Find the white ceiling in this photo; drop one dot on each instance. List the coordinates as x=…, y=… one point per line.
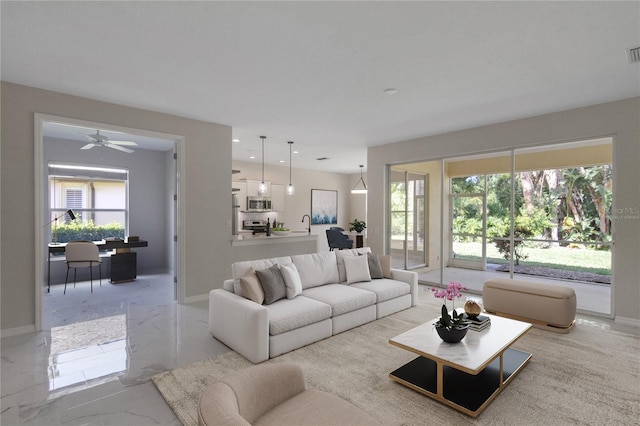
x=315, y=72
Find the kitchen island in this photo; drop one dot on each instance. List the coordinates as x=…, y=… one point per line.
x=259, y=246
x=262, y=239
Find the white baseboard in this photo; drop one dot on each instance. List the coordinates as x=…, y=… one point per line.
x=16, y=331
x=198, y=298
x=627, y=321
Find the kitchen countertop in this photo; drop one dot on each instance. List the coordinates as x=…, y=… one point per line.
x=259, y=239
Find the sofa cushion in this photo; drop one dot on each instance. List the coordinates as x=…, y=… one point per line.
x=357, y=268
x=340, y=254
x=251, y=287
x=290, y=314
x=384, y=289
x=272, y=284
x=315, y=407
x=316, y=268
x=238, y=269
x=291, y=280
x=341, y=298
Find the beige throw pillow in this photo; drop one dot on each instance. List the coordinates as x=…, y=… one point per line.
x=251, y=288
x=385, y=262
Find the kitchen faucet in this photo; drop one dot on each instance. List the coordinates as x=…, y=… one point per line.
x=309, y=228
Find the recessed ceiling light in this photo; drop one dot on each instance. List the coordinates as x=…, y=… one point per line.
x=296, y=152
x=235, y=140
x=253, y=157
x=390, y=91
x=281, y=161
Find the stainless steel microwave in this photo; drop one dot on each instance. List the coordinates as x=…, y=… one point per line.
x=258, y=204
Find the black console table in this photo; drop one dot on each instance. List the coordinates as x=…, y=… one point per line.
x=123, y=261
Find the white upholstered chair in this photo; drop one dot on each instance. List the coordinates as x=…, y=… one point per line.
x=81, y=254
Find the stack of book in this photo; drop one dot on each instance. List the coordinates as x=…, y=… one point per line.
x=478, y=323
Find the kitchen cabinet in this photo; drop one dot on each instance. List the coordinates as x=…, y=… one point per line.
x=252, y=188
x=242, y=194
x=277, y=197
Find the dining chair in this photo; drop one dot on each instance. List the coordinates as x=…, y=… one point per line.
x=81, y=254
x=337, y=240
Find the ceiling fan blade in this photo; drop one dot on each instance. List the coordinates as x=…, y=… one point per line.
x=124, y=143
x=118, y=147
x=88, y=146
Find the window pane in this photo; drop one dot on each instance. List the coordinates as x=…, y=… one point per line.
x=97, y=197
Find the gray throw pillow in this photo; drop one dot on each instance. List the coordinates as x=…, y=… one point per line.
x=272, y=284
x=375, y=268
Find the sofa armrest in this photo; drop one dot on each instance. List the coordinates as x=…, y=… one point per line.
x=218, y=405
x=239, y=323
x=261, y=388
x=410, y=278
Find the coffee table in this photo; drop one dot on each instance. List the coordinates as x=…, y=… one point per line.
x=468, y=375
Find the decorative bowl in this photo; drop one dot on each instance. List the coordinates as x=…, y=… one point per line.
x=453, y=335
x=280, y=233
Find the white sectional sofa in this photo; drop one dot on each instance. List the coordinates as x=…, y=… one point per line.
x=335, y=295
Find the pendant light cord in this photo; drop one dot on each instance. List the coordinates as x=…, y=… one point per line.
x=263, y=138
x=290, y=143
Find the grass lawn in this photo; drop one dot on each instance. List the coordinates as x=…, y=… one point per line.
x=597, y=262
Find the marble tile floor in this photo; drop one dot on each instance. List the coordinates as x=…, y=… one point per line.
x=93, y=362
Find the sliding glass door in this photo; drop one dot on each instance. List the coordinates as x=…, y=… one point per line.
x=408, y=223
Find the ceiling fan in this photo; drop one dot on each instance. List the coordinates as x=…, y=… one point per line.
x=101, y=140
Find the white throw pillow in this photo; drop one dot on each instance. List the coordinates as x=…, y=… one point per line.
x=291, y=280
x=357, y=268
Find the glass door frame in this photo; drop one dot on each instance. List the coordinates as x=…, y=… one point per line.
x=416, y=219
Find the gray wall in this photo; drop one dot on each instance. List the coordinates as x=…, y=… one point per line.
x=619, y=119
x=149, y=202
x=206, y=176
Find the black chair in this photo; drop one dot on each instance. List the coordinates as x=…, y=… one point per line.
x=336, y=228
x=337, y=240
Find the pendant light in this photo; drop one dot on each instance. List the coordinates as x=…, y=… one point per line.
x=360, y=187
x=290, y=189
x=262, y=188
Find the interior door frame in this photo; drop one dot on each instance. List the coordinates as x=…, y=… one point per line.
x=41, y=252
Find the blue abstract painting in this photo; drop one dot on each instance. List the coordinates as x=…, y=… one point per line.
x=324, y=207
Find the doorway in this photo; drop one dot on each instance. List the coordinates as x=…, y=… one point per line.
x=154, y=206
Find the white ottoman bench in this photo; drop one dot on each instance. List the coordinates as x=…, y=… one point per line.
x=551, y=307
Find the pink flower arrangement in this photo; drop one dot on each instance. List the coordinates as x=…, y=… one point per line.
x=452, y=292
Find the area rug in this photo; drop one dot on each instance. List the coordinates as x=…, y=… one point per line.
x=588, y=377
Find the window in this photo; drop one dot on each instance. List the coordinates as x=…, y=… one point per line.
x=98, y=197
x=73, y=197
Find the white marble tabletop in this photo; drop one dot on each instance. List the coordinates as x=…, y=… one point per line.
x=473, y=353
